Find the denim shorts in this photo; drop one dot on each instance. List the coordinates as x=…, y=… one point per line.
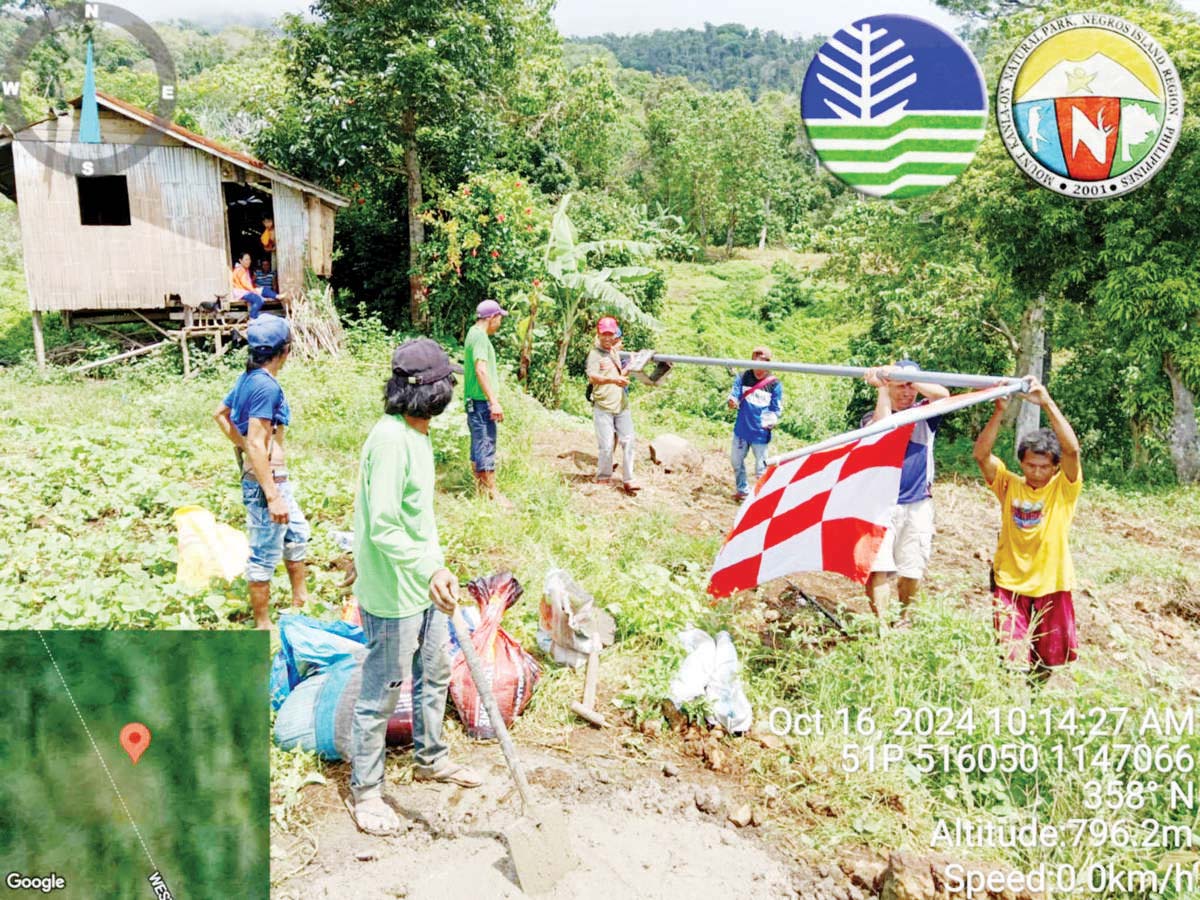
x=270, y=541
x=483, y=435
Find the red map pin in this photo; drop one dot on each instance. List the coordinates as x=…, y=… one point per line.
x=135, y=738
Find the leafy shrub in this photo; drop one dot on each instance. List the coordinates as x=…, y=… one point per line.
x=791, y=291
x=484, y=240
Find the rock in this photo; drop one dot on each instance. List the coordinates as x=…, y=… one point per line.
x=602, y=776
x=673, y=453
x=670, y=770
x=651, y=727
x=908, y=877
x=770, y=792
x=741, y=816
x=865, y=871
x=675, y=719
x=364, y=855
x=757, y=816
x=715, y=756
x=708, y=800
x=771, y=615
x=767, y=740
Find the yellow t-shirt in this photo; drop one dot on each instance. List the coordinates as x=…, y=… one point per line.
x=1032, y=556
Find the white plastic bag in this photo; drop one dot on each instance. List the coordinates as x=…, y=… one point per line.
x=569, y=624
x=711, y=668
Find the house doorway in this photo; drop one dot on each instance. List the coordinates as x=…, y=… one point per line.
x=246, y=207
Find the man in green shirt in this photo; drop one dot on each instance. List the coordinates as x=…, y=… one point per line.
x=405, y=593
x=482, y=396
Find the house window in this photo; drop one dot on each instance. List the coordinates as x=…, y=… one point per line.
x=103, y=200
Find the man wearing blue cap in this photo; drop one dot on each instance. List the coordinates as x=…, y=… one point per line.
x=482, y=394
x=253, y=416
x=908, y=542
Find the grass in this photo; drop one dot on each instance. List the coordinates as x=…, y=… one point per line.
x=96, y=468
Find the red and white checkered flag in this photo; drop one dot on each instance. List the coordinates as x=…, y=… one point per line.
x=825, y=512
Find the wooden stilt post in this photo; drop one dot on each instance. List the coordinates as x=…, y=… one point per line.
x=183, y=339
x=39, y=340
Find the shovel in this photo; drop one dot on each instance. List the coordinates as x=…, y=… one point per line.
x=537, y=842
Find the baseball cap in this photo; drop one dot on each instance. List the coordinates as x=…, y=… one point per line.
x=422, y=361
x=268, y=332
x=608, y=325
x=489, y=308
x=907, y=364
x=761, y=352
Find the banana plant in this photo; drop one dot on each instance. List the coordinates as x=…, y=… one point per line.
x=579, y=293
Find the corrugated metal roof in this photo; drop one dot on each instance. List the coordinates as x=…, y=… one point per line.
x=244, y=160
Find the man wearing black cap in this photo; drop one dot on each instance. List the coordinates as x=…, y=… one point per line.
x=481, y=392
x=405, y=592
x=253, y=416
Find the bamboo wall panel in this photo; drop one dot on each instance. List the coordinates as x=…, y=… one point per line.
x=320, y=235
x=174, y=244
x=291, y=236
x=114, y=129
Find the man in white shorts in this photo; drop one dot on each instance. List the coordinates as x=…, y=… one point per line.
x=908, y=543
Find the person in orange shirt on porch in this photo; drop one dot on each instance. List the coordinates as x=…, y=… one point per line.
x=1032, y=572
x=268, y=235
x=244, y=288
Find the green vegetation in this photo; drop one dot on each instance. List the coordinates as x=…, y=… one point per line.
x=721, y=57
x=455, y=174
x=428, y=117
x=198, y=794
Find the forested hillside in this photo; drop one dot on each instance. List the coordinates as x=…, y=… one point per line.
x=720, y=57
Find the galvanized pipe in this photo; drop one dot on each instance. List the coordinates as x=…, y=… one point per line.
x=1000, y=390
x=948, y=379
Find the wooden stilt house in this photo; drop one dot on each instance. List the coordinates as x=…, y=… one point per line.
x=159, y=237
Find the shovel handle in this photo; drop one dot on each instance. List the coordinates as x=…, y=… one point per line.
x=459, y=629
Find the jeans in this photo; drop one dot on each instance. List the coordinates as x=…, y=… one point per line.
x=256, y=301
x=396, y=648
x=606, y=425
x=737, y=455
x=270, y=541
x=483, y=435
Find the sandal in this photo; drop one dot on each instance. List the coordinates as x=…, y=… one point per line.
x=631, y=487
x=374, y=816
x=448, y=772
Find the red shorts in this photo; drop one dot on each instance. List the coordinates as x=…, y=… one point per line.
x=1051, y=618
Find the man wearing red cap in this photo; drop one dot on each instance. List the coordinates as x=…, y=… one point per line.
x=610, y=404
x=481, y=392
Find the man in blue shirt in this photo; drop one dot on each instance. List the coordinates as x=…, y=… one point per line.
x=254, y=416
x=758, y=398
x=908, y=543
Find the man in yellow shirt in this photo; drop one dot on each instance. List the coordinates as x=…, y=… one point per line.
x=1032, y=571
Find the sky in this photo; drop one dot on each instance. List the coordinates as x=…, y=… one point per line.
x=587, y=17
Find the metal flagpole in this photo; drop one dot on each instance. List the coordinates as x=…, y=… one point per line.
x=948, y=379
x=904, y=417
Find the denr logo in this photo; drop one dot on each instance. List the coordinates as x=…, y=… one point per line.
x=48, y=148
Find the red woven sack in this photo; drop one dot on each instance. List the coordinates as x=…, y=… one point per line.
x=512, y=671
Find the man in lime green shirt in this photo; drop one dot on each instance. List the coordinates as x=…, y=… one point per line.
x=481, y=392
x=405, y=593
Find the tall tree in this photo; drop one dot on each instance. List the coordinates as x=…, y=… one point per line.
x=395, y=87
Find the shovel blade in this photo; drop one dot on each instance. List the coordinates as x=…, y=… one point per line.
x=540, y=849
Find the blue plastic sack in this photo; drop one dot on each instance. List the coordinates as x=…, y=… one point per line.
x=310, y=646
